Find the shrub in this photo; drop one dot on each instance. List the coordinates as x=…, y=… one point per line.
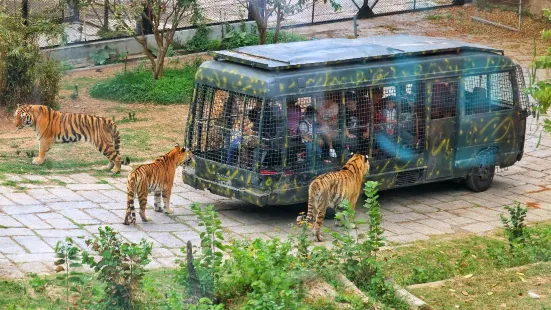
x=176, y=86
x=21, y=62
x=121, y=267
x=48, y=78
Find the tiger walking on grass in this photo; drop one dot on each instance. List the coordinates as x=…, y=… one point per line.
x=156, y=177
x=57, y=127
x=331, y=189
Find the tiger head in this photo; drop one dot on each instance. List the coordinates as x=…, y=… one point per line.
x=360, y=161
x=23, y=117
x=182, y=155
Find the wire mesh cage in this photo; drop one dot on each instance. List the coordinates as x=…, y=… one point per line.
x=486, y=93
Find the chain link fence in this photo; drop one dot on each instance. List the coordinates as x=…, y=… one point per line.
x=509, y=17
x=89, y=20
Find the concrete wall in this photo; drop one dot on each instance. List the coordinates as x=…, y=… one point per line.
x=79, y=53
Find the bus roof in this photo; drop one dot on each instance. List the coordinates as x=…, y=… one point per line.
x=325, y=52
x=277, y=57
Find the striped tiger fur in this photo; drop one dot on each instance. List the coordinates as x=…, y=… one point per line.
x=156, y=177
x=329, y=190
x=57, y=127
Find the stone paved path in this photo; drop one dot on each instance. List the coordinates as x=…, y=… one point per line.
x=34, y=219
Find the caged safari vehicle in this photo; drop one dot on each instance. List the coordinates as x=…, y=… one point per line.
x=266, y=120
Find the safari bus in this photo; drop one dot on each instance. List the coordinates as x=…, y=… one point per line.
x=266, y=120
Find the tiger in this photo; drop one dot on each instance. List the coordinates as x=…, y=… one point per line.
x=58, y=127
x=156, y=177
x=329, y=190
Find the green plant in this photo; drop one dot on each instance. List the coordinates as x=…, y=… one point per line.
x=138, y=86
x=121, y=267
x=68, y=258
x=37, y=283
x=48, y=78
x=434, y=17
x=514, y=225
x=103, y=56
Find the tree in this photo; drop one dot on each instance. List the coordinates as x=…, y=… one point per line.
x=541, y=89
x=163, y=15
x=262, y=10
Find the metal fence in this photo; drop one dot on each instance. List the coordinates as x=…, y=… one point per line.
x=85, y=20
x=510, y=17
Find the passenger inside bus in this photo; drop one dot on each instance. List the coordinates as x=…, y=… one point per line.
x=357, y=121
x=328, y=118
x=306, y=128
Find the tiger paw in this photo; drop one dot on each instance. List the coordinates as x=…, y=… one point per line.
x=116, y=171
x=169, y=211
x=37, y=161
x=128, y=221
x=158, y=209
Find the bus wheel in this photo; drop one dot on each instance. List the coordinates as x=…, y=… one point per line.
x=481, y=178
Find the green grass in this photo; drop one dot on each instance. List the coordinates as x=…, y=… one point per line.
x=17, y=165
x=505, y=289
x=80, y=81
x=443, y=259
x=175, y=87
x=435, y=17
x=19, y=294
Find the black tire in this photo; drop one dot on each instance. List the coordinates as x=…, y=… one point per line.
x=330, y=214
x=481, y=178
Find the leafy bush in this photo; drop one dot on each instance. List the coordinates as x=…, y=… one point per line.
x=103, y=56
x=121, y=267
x=22, y=66
x=176, y=86
x=48, y=78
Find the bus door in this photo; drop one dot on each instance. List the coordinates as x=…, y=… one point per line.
x=442, y=100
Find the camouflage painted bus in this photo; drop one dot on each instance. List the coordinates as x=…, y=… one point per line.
x=266, y=120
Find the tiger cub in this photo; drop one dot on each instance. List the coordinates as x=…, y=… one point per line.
x=58, y=127
x=156, y=177
x=329, y=190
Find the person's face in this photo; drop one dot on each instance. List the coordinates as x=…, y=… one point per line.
x=377, y=96
x=391, y=104
x=352, y=105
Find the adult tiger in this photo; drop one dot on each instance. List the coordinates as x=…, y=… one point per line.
x=57, y=127
x=332, y=188
x=157, y=177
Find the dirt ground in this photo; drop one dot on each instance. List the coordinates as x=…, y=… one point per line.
x=159, y=127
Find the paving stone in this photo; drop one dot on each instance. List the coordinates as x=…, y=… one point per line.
x=474, y=215
x=79, y=217
x=47, y=216
x=167, y=261
x=454, y=205
x=167, y=239
x=64, y=205
x=61, y=178
x=407, y=238
x=153, y=227
x=37, y=268
x=6, y=189
x=8, y=221
x=105, y=216
x=459, y=220
x=136, y=236
x=259, y=228
x=9, y=270
x=188, y=236
x=478, y=227
x=113, y=206
x=42, y=195
x=15, y=232
x=5, y=201
x=61, y=233
x=22, y=199
x=33, y=244
x=176, y=200
x=7, y=245
x=116, y=195
x=11, y=210
x=61, y=223
x=422, y=208
x=162, y=252
x=88, y=187
x=31, y=258
x=66, y=194
x=84, y=178
x=32, y=221
x=93, y=229
x=405, y=217
x=477, y=201
x=94, y=196
x=424, y=229
x=395, y=228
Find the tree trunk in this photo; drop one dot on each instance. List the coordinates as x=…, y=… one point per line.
x=106, y=15
x=278, y=24
x=262, y=33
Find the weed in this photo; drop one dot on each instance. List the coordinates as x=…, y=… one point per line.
x=58, y=182
x=69, y=258
x=103, y=182
x=37, y=283
x=434, y=17
x=121, y=267
x=13, y=184
x=514, y=225
x=103, y=56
